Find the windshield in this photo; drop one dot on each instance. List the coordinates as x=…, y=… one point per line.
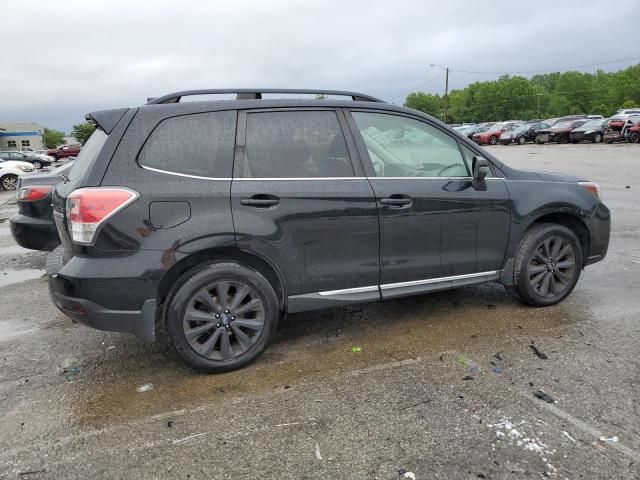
x=496, y=126
x=87, y=155
x=523, y=128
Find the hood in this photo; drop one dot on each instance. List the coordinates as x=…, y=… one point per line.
x=15, y=164
x=558, y=177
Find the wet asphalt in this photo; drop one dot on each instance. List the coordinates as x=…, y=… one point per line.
x=438, y=386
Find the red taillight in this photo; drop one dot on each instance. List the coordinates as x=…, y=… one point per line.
x=33, y=193
x=88, y=208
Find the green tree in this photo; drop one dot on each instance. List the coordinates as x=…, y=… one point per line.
x=52, y=138
x=426, y=102
x=83, y=131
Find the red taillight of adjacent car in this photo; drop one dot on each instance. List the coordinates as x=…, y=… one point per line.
x=33, y=193
x=89, y=208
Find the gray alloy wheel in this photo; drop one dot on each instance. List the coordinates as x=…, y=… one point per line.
x=37, y=164
x=552, y=266
x=597, y=138
x=224, y=320
x=522, y=140
x=493, y=140
x=10, y=182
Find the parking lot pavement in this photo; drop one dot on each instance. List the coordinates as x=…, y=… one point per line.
x=314, y=407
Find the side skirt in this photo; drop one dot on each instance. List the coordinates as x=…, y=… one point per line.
x=348, y=296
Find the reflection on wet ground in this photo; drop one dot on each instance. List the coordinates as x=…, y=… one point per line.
x=7, y=277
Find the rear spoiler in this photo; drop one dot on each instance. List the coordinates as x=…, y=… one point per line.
x=106, y=119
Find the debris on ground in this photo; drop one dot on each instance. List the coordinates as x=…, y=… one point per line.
x=497, y=370
x=544, y=396
x=468, y=377
x=490, y=306
x=566, y=434
x=144, y=388
x=170, y=424
x=404, y=474
x=538, y=353
x=356, y=349
x=111, y=347
x=613, y=439
x=70, y=366
x=318, y=455
x=497, y=356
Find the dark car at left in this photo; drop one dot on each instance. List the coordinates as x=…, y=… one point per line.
x=33, y=226
x=37, y=162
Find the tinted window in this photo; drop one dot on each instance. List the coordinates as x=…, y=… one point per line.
x=191, y=144
x=295, y=144
x=87, y=155
x=404, y=147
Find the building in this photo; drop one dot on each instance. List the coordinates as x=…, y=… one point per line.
x=14, y=136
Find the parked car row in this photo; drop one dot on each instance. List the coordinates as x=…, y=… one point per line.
x=624, y=126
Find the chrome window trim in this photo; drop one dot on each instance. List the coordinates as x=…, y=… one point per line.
x=297, y=179
x=412, y=283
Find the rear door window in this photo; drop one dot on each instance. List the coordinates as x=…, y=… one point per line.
x=302, y=144
x=87, y=155
x=191, y=144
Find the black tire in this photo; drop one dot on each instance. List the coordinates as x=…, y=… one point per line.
x=634, y=137
x=228, y=330
x=597, y=138
x=575, y=141
x=561, y=139
x=37, y=165
x=530, y=273
x=493, y=140
x=9, y=182
x=522, y=140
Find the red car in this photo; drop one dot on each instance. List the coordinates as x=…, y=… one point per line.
x=65, y=151
x=634, y=133
x=559, y=133
x=492, y=135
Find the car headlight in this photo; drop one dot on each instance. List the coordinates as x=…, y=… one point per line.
x=588, y=132
x=592, y=188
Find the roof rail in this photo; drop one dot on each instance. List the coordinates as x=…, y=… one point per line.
x=256, y=93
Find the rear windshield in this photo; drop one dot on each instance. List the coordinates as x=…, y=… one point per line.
x=87, y=155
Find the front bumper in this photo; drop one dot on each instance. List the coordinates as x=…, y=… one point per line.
x=34, y=233
x=75, y=286
x=599, y=233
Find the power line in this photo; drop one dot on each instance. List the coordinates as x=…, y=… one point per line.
x=556, y=69
x=421, y=85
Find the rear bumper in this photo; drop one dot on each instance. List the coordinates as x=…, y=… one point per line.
x=71, y=286
x=34, y=233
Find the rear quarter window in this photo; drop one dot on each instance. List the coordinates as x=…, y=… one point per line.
x=191, y=144
x=87, y=156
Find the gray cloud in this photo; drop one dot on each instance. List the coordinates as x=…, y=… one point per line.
x=70, y=57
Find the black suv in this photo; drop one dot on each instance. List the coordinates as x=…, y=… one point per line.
x=207, y=221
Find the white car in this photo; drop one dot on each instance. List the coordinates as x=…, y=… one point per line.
x=10, y=170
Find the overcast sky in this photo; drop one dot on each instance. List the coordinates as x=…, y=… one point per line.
x=64, y=58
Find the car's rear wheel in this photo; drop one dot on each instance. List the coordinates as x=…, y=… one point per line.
x=597, y=138
x=222, y=317
x=9, y=182
x=522, y=140
x=634, y=137
x=493, y=140
x=561, y=139
x=547, y=265
x=37, y=164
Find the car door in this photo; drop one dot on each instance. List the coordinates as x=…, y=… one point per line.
x=437, y=224
x=300, y=201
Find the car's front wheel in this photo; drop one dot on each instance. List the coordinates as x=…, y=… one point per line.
x=222, y=317
x=547, y=265
x=634, y=137
x=522, y=140
x=9, y=182
x=597, y=138
x=493, y=140
x=37, y=164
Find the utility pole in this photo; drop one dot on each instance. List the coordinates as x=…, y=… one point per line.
x=446, y=89
x=538, y=95
x=446, y=94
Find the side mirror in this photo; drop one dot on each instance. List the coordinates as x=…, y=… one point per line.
x=480, y=168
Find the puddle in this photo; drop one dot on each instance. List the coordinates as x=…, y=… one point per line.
x=318, y=345
x=8, y=277
x=14, y=249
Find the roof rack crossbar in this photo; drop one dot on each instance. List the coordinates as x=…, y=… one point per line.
x=256, y=93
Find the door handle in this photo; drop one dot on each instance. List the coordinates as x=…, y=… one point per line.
x=397, y=201
x=260, y=201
